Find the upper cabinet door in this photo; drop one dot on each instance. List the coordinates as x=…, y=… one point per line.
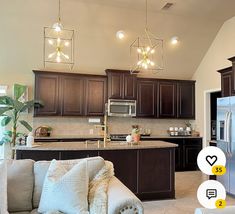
x=72, y=95
x=186, y=100
x=129, y=86
x=96, y=96
x=115, y=85
x=47, y=91
x=121, y=84
x=145, y=98
x=167, y=99
x=226, y=84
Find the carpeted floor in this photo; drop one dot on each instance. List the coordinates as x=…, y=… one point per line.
x=186, y=201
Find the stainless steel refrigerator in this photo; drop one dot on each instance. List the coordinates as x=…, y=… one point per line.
x=226, y=140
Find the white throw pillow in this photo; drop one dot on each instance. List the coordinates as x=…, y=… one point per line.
x=65, y=189
x=3, y=187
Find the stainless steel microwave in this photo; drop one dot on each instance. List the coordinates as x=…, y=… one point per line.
x=121, y=108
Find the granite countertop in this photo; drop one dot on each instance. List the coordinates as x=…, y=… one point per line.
x=167, y=136
x=57, y=137
x=70, y=146
x=70, y=137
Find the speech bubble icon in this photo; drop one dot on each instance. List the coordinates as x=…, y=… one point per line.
x=211, y=193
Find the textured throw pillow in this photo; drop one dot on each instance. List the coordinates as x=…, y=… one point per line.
x=65, y=189
x=3, y=187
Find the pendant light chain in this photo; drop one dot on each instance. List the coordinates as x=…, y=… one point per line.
x=146, y=14
x=59, y=12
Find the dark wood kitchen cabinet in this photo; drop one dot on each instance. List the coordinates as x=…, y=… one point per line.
x=72, y=89
x=232, y=59
x=129, y=160
x=146, y=98
x=96, y=96
x=121, y=84
x=226, y=82
x=67, y=94
x=167, y=99
x=154, y=162
x=149, y=173
x=186, y=99
x=186, y=152
x=47, y=91
x=191, y=149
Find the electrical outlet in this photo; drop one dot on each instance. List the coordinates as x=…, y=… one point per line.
x=91, y=131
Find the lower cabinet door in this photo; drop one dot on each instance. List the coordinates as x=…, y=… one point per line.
x=67, y=155
x=191, y=148
x=156, y=173
x=125, y=166
x=38, y=155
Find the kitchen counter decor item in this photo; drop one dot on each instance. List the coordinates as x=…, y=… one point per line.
x=135, y=134
x=43, y=131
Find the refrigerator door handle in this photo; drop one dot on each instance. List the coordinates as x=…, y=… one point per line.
x=229, y=133
x=226, y=132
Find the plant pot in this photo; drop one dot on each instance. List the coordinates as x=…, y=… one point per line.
x=136, y=138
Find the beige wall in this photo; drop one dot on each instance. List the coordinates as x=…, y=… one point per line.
x=206, y=76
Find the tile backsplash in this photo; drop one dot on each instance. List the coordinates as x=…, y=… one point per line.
x=80, y=126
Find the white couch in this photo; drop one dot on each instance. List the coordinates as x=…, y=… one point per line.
x=25, y=181
x=227, y=210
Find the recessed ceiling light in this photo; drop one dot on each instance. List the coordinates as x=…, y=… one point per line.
x=120, y=34
x=174, y=40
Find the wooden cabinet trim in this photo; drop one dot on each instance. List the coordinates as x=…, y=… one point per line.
x=173, y=93
x=100, y=103
x=37, y=95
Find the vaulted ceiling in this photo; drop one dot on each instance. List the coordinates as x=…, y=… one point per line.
x=195, y=22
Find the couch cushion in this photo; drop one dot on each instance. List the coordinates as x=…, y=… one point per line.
x=65, y=189
x=41, y=167
x=23, y=213
x=3, y=187
x=226, y=210
x=20, y=181
x=30, y=212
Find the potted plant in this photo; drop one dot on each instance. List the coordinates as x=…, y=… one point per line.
x=10, y=111
x=135, y=134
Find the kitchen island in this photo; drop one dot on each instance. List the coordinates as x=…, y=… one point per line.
x=147, y=169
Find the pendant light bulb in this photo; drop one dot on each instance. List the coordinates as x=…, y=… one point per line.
x=57, y=26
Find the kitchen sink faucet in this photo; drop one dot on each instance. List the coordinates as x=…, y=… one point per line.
x=105, y=128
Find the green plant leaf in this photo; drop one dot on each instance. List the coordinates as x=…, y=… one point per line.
x=18, y=105
x=27, y=105
x=6, y=120
x=5, y=100
x=8, y=133
x=5, y=140
x=19, y=90
x=3, y=110
x=26, y=125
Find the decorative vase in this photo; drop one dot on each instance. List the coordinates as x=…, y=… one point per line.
x=136, y=138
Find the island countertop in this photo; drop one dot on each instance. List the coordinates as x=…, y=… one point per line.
x=76, y=146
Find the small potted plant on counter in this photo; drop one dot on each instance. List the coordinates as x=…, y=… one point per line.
x=135, y=134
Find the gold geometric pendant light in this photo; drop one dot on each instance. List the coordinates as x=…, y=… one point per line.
x=147, y=50
x=58, y=44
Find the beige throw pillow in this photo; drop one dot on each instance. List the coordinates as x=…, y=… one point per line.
x=65, y=189
x=3, y=187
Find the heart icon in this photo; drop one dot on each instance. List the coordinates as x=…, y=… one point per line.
x=211, y=159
